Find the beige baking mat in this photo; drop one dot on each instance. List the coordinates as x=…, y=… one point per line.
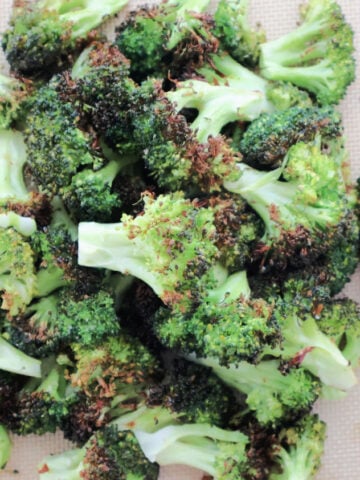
x=342, y=455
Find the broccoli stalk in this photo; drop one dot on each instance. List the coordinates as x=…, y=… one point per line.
x=42, y=403
x=5, y=447
x=49, y=31
x=317, y=55
x=164, y=440
x=164, y=37
x=14, y=360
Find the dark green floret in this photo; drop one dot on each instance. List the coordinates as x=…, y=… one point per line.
x=268, y=138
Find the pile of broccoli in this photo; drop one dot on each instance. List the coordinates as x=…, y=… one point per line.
x=177, y=218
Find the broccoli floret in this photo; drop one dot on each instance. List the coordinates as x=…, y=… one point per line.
x=42, y=36
x=268, y=138
x=166, y=37
x=238, y=229
x=305, y=344
x=15, y=361
x=302, y=210
x=234, y=32
x=108, y=455
x=5, y=447
x=170, y=246
x=163, y=439
x=57, y=147
x=274, y=396
x=172, y=153
x=56, y=320
x=317, y=55
x=209, y=329
x=42, y=403
x=195, y=393
x=64, y=159
x=104, y=92
x=299, y=449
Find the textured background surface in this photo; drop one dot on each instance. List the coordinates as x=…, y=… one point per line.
x=342, y=455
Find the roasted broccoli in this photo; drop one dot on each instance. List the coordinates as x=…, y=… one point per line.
x=43, y=35
x=168, y=36
x=316, y=56
x=268, y=138
x=235, y=34
x=301, y=203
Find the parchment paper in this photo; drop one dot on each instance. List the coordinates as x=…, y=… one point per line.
x=342, y=455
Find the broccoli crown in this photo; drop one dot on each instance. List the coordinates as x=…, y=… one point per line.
x=42, y=402
x=303, y=210
x=268, y=138
x=48, y=32
x=57, y=147
x=299, y=449
x=195, y=394
x=234, y=32
x=166, y=36
x=120, y=366
x=104, y=92
x=172, y=236
x=211, y=331
x=5, y=446
x=317, y=55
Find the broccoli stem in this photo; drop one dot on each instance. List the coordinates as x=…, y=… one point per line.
x=85, y=15
x=24, y=225
x=15, y=361
x=172, y=445
x=12, y=161
x=292, y=48
x=5, y=446
x=109, y=246
x=233, y=287
x=63, y=466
